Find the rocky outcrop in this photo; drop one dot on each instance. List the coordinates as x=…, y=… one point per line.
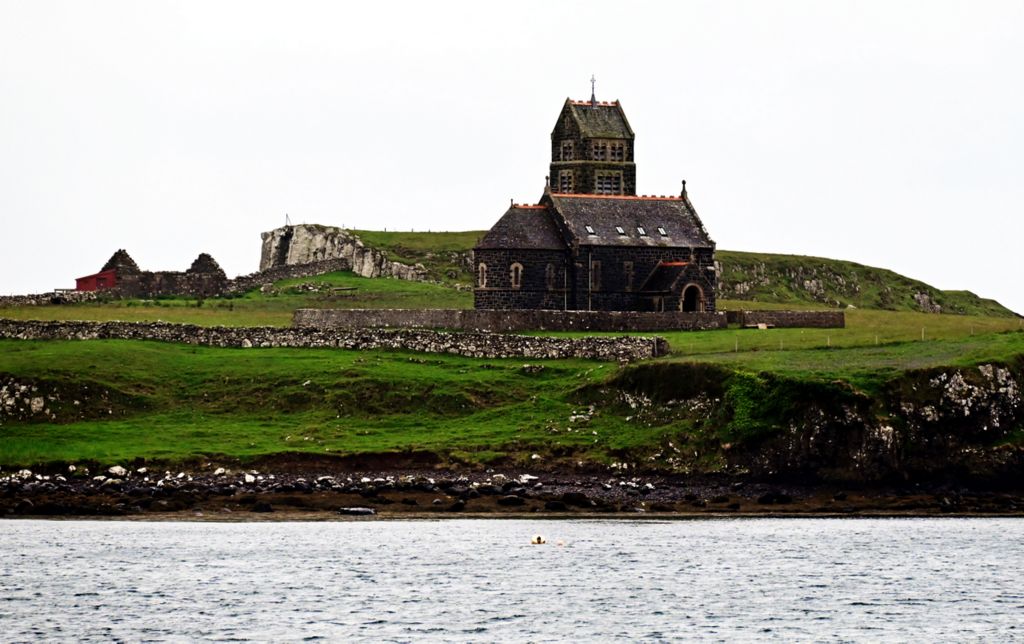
x=791, y=278
x=307, y=243
x=950, y=424
x=57, y=401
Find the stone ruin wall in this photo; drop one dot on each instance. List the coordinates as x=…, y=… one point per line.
x=159, y=283
x=307, y=243
x=475, y=345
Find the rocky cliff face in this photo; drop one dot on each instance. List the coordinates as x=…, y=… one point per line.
x=947, y=424
x=307, y=243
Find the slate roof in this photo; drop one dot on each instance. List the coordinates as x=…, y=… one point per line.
x=664, y=277
x=524, y=227
x=602, y=120
x=604, y=214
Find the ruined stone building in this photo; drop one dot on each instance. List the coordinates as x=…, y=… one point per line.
x=591, y=243
x=122, y=277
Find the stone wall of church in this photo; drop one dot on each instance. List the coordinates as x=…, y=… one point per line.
x=616, y=287
x=542, y=280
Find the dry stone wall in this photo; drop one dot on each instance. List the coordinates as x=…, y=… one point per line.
x=55, y=297
x=244, y=283
x=476, y=345
x=790, y=319
x=499, y=321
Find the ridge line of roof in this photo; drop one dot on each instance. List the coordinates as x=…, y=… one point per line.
x=574, y=195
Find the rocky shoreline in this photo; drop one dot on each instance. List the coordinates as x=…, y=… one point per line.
x=218, y=492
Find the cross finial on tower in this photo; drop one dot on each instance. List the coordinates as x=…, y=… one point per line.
x=593, y=95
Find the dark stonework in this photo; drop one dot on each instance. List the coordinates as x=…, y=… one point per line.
x=593, y=246
x=585, y=141
x=543, y=280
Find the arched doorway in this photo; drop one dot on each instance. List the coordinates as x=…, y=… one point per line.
x=692, y=300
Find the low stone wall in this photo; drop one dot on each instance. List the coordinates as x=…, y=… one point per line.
x=40, y=299
x=496, y=321
x=244, y=283
x=790, y=319
x=476, y=345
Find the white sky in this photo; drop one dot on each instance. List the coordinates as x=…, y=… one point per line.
x=888, y=133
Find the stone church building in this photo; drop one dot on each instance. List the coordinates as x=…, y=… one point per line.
x=591, y=243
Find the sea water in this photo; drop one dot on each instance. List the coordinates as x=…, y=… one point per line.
x=483, y=580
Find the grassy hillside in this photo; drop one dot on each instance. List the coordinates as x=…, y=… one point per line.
x=446, y=255
x=173, y=403
x=789, y=281
x=255, y=308
x=796, y=279
x=170, y=402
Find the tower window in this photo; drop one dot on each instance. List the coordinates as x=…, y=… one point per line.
x=608, y=183
x=565, y=181
x=617, y=151
x=567, y=151
x=481, y=275
x=517, y=275
x=600, y=150
x=661, y=231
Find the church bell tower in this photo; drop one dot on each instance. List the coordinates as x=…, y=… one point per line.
x=592, y=149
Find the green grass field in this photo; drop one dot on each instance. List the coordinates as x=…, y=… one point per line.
x=176, y=403
x=258, y=309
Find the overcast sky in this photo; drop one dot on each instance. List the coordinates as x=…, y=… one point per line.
x=887, y=133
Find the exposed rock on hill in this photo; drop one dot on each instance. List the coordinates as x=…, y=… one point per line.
x=307, y=243
x=950, y=423
x=814, y=280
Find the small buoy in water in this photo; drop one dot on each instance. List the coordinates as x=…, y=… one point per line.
x=538, y=540
x=560, y=543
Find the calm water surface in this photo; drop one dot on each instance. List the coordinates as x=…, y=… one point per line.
x=481, y=580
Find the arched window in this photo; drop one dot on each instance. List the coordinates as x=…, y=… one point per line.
x=549, y=276
x=517, y=275
x=481, y=275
